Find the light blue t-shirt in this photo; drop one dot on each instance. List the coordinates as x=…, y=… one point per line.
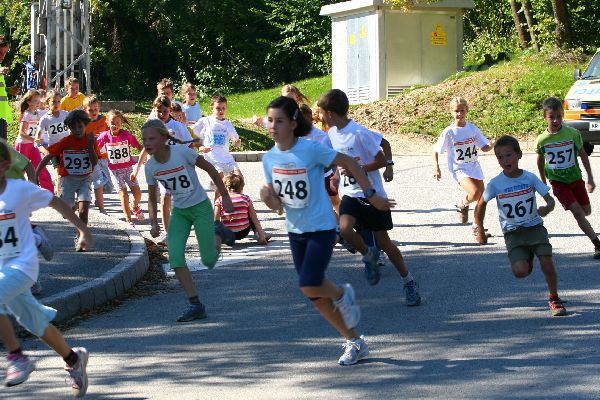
x=515, y=198
x=192, y=113
x=297, y=176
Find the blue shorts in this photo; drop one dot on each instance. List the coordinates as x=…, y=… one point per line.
x=16, y=299
x=311, y=252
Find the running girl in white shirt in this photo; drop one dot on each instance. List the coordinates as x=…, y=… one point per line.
x=294, y=172
x=462, y=140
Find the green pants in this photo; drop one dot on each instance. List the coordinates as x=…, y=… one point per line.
x=182, y=219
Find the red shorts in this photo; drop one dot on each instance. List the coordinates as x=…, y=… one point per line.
x=569, y=193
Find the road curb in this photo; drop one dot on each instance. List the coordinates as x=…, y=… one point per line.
x=110, y=285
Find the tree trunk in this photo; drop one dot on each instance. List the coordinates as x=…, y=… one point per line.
x=518, y=25
x=530, y=24
x=563, y=28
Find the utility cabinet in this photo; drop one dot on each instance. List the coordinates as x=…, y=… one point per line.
x=378, y=51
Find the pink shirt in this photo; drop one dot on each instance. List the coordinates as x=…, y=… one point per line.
x=238, y=220
x=118, y=148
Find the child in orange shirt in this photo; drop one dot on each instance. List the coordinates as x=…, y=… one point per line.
x=101, y=182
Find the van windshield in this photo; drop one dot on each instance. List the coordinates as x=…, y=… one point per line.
x=593, y=70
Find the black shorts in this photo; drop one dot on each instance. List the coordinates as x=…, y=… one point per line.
x=311, y=252
x=366, y=215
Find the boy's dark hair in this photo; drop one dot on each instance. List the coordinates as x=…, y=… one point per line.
x=4, y=151
x=76, y=115
x=552, y=104
x=507, y=140
x=176, y=107
x=234, y=182
x=161, y=101
x=4, y=41
x=218, y=98
x=292, y=111
x=335, y=101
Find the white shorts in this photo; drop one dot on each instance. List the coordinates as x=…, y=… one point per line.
x=225, y=168
x=16, y=299
x=473, y=171
x=101, y=175
x=75, y=188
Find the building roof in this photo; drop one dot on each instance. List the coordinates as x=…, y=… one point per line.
x=358, y=6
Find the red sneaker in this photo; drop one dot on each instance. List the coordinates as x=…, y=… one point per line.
x=557, y=308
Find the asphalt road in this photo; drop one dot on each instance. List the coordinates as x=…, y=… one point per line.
x=480, y=333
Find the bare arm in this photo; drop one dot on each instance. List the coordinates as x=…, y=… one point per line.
x=216, y=178
x=270, y=198
x=42, y=165
x=585, y=160
x=388, y=174
x=154, y=228
x=550, y=203
x=141, y=160
x=30, y=172
x=217, y=212
x=92, y=148
x=85, y=237
x=437, y=173
x=541, y=162
x=478, y=217
x=490, y=146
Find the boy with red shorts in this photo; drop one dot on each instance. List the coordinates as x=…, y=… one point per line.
x=557, y=150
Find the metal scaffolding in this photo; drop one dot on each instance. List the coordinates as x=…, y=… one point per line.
x=60, y=42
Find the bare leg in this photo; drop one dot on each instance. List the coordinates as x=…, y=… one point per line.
x=53, y=338
x=580, y=214
x=7, y=334
x=391, y=250
x=473, y=187
x=137, y=196
x=549, y=271
x=165, y=210
x=124, y=197
x=83, y=209
x=99, y=196
x=185, y=279
x=347, y=223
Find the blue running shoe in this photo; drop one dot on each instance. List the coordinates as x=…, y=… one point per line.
x=411, y=290
x=371, y=269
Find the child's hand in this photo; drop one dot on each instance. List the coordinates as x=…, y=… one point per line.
x=590, y=185
x=205, y=149
x=437, y=174
x=237, y=143
x=258, y=121
x=543, y=211
x=388, y=174
x=492, y=143
x=381, y=203
x=154, y=229
x=270, y=198
x=85, y=240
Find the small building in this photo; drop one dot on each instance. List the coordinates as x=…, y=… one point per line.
x=378, y=51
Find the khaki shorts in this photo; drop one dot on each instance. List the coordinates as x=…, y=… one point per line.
x=521, y=242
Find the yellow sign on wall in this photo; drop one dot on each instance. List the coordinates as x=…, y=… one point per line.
x=438, y=36
x=361, y=35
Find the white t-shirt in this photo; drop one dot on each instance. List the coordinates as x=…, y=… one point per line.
x=178, y=130
x=53, y=128
x=30, y=123
x=515, y=198
x=19, y=199
x=216, y=134
x=319, y=136
x=177, y=175
x=462, y=144
x=363, y=145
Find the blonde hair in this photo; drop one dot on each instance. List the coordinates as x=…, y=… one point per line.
x=234, y=182
x=71, y=81
x=307, y=112
x=161, y=128
x=164, y=84
x=117, y=113
x=50, y=95
x=89, y=100
x=24, y=102
x=293, y=90
x=186, y=87
x=458, y=100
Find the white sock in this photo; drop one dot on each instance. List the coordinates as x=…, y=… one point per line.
x=407, y=278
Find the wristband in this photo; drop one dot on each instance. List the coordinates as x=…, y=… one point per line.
x=390, y=163
x=369, y=193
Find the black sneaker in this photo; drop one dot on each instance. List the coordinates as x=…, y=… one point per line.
x=192, y=312
x=227, y=236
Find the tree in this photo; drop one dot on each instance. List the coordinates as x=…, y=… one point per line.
x=531, y=25
x=563, y=27
x=518, y=25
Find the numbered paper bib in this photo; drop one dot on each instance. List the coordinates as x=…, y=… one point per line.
x=77, y=162
x=56, y=132
x=176, y=180
x=32, y=129
x=560, y=155
x=118, y=153
x=465, y=151
x=519, y=206
x=10, y=245
x=218, y=137
x=292, y=186
x=349, y=185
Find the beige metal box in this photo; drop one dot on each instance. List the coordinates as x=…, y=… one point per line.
x=377, y=51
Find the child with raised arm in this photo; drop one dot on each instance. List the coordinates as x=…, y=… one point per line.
x=175, y=168
x=78, y=154
x=243, y=218
x=25, y=141
x=294, y=172
x=190, y=105
x=461, y=140
x=364, y=146
x=117, y=144
x=101, y=176
x=215, y=133
x=557, y=149
x=19, y=269
x=74, y=98
x=521, y=220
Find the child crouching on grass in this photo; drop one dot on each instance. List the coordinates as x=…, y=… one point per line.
x=521, y=220
x=243, y=218
x=19, y=268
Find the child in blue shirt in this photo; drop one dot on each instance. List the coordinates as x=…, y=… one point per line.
x=521, y=220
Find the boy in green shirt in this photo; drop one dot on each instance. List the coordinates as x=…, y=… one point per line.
x=557, y=150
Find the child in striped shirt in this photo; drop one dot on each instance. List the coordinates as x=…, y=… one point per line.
x=243, y=218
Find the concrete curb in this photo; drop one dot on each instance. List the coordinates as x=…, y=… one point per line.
x=248, y=156
x=111, y=284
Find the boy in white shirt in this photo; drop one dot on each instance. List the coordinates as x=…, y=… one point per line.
x=364, y=146
x=216, y=132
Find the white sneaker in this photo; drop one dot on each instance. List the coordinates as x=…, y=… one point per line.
x=348, y=307
x=45, y=248
x=354, y=351
x=381, y=259
x=77, y=378
x=18, y=371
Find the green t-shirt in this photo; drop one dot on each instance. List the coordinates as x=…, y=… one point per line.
x=560, y=150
